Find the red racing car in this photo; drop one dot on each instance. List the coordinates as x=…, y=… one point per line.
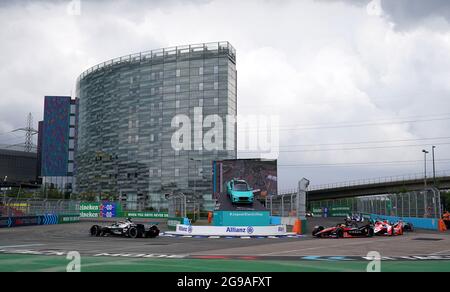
x=388, y=229
x=343, y=231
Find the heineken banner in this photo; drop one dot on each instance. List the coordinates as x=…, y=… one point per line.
x=89, y=210
x=114, y=210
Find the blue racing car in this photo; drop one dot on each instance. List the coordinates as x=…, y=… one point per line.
x=240, y=192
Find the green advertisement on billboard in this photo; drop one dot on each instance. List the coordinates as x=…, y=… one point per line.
x=149, y=214
x=68, y=218
x=89, y=210
x=340, y=211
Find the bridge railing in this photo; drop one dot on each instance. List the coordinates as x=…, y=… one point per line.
x=380, y=180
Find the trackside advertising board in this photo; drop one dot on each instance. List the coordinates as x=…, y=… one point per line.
x=114, y=210
x=89, y=210
x=146, y=214
x=231, y=230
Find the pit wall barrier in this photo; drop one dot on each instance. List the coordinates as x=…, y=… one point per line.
x=422, y=223
x=193, y=230
x=47, y=219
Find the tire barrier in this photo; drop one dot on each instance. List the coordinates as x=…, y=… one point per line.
x=47, y=219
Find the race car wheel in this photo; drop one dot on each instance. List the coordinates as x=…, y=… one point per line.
x=152, y=232
x=317, y=229
x=339, y=233
x=133, y=232
x=95, y=230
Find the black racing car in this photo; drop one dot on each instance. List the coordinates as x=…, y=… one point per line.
x=126, y=229
x=343, y=231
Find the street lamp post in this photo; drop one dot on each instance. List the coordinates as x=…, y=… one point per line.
x=434, y=167
x=425, y=152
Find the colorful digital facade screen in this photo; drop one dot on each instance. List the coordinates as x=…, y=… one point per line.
x=55, y=140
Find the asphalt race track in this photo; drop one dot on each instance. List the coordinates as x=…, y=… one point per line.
x=60, y=239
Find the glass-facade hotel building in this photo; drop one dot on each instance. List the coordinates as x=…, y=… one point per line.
x=126, y=108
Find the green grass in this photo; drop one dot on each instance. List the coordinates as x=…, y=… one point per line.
x=40, y=263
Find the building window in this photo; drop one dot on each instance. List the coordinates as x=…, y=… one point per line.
x=152, y=138
x=200, y=102
x=161, y=75
x=216, y=69
x=130, y=124
x=178, y=73
x=177, y=88
x=136, y=139
x=70, y=167
x=152, y=91
x=200, y=86
x=216, y=101
x=177, y=172
x=129, y=139
x=216, y=85
x=200, y=71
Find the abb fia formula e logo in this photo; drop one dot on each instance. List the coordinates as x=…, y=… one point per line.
x=250, y=230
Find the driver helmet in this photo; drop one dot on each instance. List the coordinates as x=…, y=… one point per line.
x=129, y=219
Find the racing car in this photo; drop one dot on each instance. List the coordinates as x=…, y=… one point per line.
x=240, y=192
x=343, y=231
x=125, y=228
x=388, y=229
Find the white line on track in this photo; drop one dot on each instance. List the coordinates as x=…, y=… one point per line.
x=439, y=252
x=22, y=245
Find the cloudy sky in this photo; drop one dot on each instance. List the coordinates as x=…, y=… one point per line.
x=361, y=87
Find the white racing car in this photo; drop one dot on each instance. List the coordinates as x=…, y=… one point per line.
x=125, y=228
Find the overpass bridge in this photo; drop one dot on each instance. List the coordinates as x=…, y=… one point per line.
x=378, y=186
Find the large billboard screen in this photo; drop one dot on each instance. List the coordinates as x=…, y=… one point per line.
x=260, y=174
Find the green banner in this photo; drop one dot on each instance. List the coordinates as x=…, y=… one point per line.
x=73, y=218
x=173, y=221
x=340, y=211
x=133, y=214
x=89, y=210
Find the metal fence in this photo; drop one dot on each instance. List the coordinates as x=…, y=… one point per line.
x=419, y=204
x=11, y=207
x=284, y=205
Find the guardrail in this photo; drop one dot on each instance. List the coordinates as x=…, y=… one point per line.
x=380, y=180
